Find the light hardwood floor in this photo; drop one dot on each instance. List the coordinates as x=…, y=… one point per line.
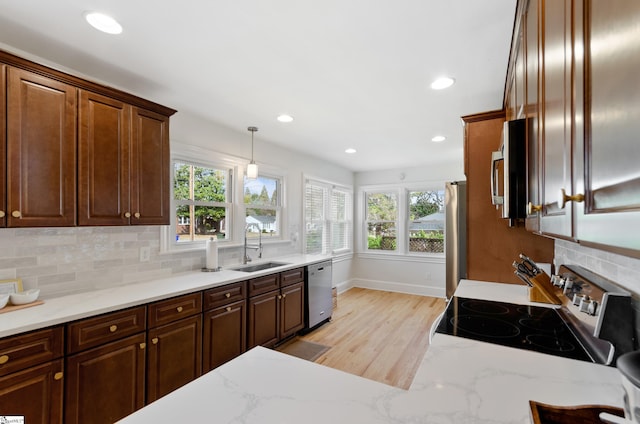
x=378, y=335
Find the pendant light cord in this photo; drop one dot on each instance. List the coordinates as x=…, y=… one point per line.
x=252, y=129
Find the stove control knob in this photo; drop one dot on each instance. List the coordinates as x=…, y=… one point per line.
x=557, y=281
x=576, y=299
x=583, y=306
x=593, y=306
x=568, y=285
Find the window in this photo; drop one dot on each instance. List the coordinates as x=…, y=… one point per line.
x=328, y=215
x=403, y=220
x=426, y=221
x=382, y=216
x=263, y=205
x=202, y=201
x=341, y=217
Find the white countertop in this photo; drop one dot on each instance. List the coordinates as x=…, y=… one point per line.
x=459, y=381
x=69, y=308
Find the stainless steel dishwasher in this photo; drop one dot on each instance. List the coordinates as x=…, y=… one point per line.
x=318, y=293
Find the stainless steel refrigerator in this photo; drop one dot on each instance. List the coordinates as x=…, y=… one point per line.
x=455, y=234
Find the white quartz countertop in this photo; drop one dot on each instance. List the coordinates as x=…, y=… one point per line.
x=69, y=308
x=459, y=381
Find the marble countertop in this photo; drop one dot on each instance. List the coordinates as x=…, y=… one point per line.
x=459, y=381
x=69, y=308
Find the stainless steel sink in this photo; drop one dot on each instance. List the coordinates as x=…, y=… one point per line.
x=259, y=267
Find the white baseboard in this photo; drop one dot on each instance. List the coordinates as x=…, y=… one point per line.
x=392, y=287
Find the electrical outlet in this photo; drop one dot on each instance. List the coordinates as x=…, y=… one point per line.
x=145, y=254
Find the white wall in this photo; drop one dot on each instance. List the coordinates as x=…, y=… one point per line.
x=406, y=274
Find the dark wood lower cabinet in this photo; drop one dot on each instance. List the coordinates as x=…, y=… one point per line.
x=225, y=330
x=174, y=356
x=276, y=315
x=115, y=363
x=106, y=383
x=35, y=393
x=292, y=310
x=264, y=319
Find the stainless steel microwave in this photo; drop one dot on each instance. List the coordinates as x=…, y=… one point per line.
x=509, y=171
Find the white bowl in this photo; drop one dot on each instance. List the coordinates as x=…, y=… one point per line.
x=4, y=298
x=25, y=297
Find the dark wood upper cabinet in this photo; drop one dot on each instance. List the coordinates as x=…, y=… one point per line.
x=582, y=61
x=103, y=160
x=555, y=135
x=532, y=86
x=79, y=153
x=41, y=151
x=608, y=88
x=3, y=144
x=150, y=178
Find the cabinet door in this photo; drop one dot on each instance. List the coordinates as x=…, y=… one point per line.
x=292, y=310
x=531, y=112
x=103, y=160
x=41, y=151
x=225, y=334
x=35, y=393
x=106, y=383
x=174, y=356
x=264, y=319
x=556, y=117
x=608, y=158
x=150, y=190
x=3, y=144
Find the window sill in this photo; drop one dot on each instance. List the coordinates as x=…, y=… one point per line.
x=222, y=245
x=433, y=258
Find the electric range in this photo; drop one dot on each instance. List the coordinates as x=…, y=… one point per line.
x=594, y=322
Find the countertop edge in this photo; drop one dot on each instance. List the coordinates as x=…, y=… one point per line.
x=64, y=309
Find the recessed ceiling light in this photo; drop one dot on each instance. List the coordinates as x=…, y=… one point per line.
x=439, y=138
x=442, y=83
x=350, y=150
x=285, y=118
x=102, y=22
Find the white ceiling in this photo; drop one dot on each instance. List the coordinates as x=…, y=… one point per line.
x=353, y=73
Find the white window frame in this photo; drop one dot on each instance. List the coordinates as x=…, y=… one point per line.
x=327, y=222
x=402, y=218
x=236, y=220
x=279, y=208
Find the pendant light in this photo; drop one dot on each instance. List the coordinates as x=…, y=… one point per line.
x=252, y=168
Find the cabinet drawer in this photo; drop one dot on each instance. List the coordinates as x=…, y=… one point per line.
x=264, y=284
x=25, y=350
x=223, y=295
x=91, y=332
x=291, y=276
x=166, y=311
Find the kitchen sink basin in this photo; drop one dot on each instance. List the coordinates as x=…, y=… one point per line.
x=259, y=267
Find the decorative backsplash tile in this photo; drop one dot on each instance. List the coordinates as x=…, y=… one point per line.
x=622, y=270
x=61, y=261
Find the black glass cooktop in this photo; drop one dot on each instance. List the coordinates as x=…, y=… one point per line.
x=533, y=328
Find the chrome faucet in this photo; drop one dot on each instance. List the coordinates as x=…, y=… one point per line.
x=258, y=247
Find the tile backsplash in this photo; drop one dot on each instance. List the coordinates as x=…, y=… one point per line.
x=623, y=270
x=61, y=261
